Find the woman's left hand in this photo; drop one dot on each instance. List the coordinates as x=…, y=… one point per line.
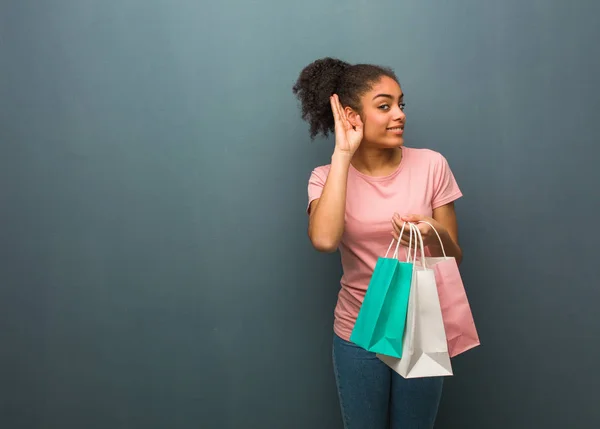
x=428, y=234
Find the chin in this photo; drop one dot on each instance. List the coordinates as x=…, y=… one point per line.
x=390, y=143
x=385, y=142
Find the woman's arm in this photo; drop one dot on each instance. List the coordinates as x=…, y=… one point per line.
x=446, y=217
x=327, y=213
x=326, y=224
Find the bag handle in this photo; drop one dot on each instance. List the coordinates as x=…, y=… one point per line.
x=419, y=241
x=410, y=239
x=395, y=255
x=438, y=236
x=410, y=244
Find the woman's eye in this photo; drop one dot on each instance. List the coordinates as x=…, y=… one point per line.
x=386, y=106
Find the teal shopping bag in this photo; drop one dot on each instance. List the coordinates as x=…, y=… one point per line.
x=379, y=327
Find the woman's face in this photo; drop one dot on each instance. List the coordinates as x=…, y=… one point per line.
x=383, y=114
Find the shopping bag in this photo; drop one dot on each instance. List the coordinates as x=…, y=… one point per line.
x=379, y=327
x=425, y=348
x=459, y=325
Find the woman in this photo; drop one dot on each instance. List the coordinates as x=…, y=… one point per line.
x=356, y=204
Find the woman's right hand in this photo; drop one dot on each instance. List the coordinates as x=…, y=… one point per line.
x=347, y=136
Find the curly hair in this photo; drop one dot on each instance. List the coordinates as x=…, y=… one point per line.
x=326, y=76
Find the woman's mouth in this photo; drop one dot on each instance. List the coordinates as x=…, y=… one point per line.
x=396, y=130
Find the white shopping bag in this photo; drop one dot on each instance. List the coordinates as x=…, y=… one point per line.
x=425, y=348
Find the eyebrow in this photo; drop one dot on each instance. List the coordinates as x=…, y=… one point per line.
x=387, y=96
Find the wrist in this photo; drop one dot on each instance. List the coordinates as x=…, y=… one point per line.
x=341, y=157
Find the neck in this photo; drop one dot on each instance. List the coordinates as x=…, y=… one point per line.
x=376, y=161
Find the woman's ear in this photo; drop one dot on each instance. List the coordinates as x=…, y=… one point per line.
x=351, y=114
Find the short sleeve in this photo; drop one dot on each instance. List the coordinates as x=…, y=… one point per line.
x=446, y=189
x=316, y=182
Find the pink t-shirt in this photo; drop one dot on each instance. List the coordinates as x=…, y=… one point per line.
x=422, y=182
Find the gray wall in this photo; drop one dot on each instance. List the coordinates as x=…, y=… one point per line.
x=154, y=266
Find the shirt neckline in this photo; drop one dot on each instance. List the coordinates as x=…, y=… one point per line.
x=383, y=178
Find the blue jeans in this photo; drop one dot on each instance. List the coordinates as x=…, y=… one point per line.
x=372, y=396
